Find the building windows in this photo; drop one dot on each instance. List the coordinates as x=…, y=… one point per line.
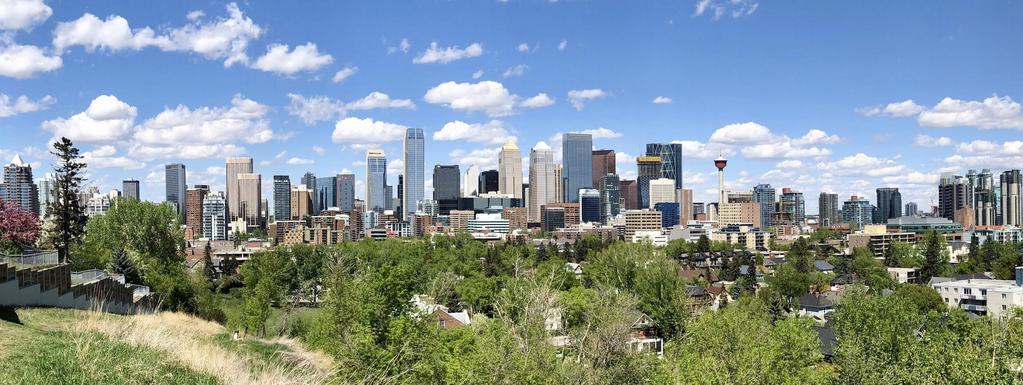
x=1003, y=295
x=967, y=291
x=1003, y=307
x=983, y=291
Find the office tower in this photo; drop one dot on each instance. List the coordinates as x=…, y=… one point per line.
x=764, y=194
x=250, y=197
x=793, y=206
x=282, y=197
x=610, y=196
x=131, y=189
x=174, y=175
x=264, y=212
x=911, y=209
x=577, y=160
x=309, y=180
x=325, y=193
x=488, y=182
x=669, y=213
x=685, y=205
x=18, y=187
x=649, y=168
x=47, y=193
x=857, y=213
x=235, y=166
x=390, y=201
x=954, y=194
x=446, y=187
x=1010, y=183
x=559, y=183
x=214, y=217
x=661, y=190
x=376, y=180
x=193, y=206
x=542, y=182
x=671, y=160
x=603, y=164
x=471, y=181
x=401, y=194
x=629, y=191
x=301, y=202
x=589, y=205
x=829, y=213
x=509, y=165
x=415, y=168
x=720, y=164
x=984, y=198
x=346, y=192
x=889, y=204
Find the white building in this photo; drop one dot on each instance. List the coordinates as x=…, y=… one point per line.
x=214, y=217
x=662, y=190
x=981, y=296
x=656, y=237
x=98, y=204
x=542, y=182
x=489, y=222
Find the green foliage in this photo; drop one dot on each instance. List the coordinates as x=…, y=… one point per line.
x=935, y=255
x=901, y=254
x=67, y=210
x=924, y=298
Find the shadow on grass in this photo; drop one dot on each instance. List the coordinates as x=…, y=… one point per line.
x=8, y=314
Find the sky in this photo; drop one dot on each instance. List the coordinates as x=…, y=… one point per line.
x=817, y=96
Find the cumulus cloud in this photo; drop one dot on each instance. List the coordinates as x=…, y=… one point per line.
x=492, y=132
x=662, y=100
x=487, y=96
x=485, y=158
x=983, y=153
x=862, y=164
x=538, y=101
x=522, y=47
x=23, y=104
x=380, y=100
x=319, y=150
x=22, y=14
x=913, y=178
x=897, y=109
x=699, y=150
x=816, y=136
x=106, y=157
x=579, y=97
x=790, y=163
x=395, y=166
x=516, y=70
x=202, y=132
x=478, y=74
x=991, y=113
x=741, y=133
x=366, y=131
x=314, y=108
x=435, y=54
x=304, y=58
x=344, y=73
x=403, y=46
x=299, y=161
x=25, y=61
x=717, y=9
x=758, y=142
x=107, y=119
x=600, y=133
x=930, y=141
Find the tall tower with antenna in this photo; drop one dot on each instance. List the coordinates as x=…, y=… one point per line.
x=720, y=163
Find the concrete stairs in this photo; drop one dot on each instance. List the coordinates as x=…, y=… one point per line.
x=53, y=287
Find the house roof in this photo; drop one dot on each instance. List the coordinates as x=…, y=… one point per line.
x=695, y=291
x=827, y=339
x=715, y=290
x=823, y=265
x=812, y=301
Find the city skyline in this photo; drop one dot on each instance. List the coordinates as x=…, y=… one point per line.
x=890, y=126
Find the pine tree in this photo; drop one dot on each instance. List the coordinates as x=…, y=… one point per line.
x=207, y=260
x=67, y=210
x=703, y=244
x=934, y=257
x=122, y=264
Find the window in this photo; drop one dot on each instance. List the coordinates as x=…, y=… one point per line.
x=1003, y=307
x=1003, y=295
x=983, y=291
x=946, y=300
x=967, y=291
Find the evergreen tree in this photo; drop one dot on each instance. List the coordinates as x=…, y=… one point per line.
x=207, y=260
x=703, y=244
x=67, y=210
x=122, y=264
x=799, y=255
x=935, y=259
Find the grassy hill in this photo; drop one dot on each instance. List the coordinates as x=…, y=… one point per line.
x=60, y=346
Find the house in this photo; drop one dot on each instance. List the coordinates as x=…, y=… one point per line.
x=823, y=266
x=904, y=274
x=718, y=296
x=699, y=298
x=447, y=319
x=574, y=268
x=643, y=337
x=817, y=306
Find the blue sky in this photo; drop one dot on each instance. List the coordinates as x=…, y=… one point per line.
x=817, y=96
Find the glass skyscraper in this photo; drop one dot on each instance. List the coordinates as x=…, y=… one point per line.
x=376, y=180
x=577, y=157
x=589, y=205
x=326, y=192
x=282, y=197
x=671, y=160
x=649, y=168
x=174, y=174
x=610, y=196
x=764, y=195
x=414, y=189
x=346, y=192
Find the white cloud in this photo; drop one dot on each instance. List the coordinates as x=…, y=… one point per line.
x=299, y=161
x=562, y=45
x=478, y=74
x=698, y=150
x=107, y=119
x=435, y=54
x=195, y=15
x=993, y=112
x=488, y=96
x=517, y=70
x=304, y=58
x=578, y=97
x=662, y=100
x=522, y=47
x=106, y=157
x=22, y=14
x=913, y=178
x=930, y=141
x=245, y=120
x=366, y=131
x=861, y=164
x=741, y=133
x=380, y=100
x=345, y=73
x=315, y=108
x=600, y=133
x=25, y=61
x=23, y=104
x=783, y=149
x=760, y=143
x=403, y=46
x=815, y=136
x=898, y=109
x=731, y=8
x=492, y=132
x=319, y=150
x=790, y=163
x=538, y=101
x=395, y=167
x=485, y=158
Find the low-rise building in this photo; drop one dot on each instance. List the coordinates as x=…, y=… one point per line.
x=981, y=296
x=752, y=238
x=878, y=239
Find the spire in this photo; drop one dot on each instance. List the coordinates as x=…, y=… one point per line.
x=17, y=161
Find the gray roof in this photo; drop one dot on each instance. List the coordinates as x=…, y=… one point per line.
x=823, y=265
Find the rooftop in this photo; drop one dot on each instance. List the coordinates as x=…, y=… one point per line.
x=991, y=284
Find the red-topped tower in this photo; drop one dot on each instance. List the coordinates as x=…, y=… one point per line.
x=720, y=163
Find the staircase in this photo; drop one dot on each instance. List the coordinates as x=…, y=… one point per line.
x=54, y=286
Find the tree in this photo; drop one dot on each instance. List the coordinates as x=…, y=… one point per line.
x=703, y=244
x=924, y=298
x=800, y=257
x=122, y=264
x=67, y=209
x=935, y=257
x=207, y=264
x=18, y=228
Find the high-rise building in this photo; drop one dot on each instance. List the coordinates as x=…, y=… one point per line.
x=401, y=194
x=193, y=207
x=685, y=202
x=589, y=205
x=911, y=209
x=648, y=168
x=954, y=193
x=792, y=204
x=214, y=217
x=346, y=192
x=489, y=182
x=309, y=180
x=471, y=181
x=764, y=194
x=174, y=175
x=301, y=202
x=415, y=168
x=18, y=187
x=577, y=159
x=250, y=197
x=326, y=193
x=376, y=181
x=829, y=213
x=233, y=167
x=610, y=197
x=662, y=190
x=603, y=164
x=282, y=197
x=509, y=164
x=889, y=204
x=446, y=187
x=720, y=163
x=671, y=160
x=857, y=213
x=629, y=191
x=1010, y=183
x=47, y=192
x=542, y=182
x=669, y=213
x=131, y=189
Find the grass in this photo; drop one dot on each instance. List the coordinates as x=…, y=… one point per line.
x=77, y=347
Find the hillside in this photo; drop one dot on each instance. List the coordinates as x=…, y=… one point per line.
x=79, y=347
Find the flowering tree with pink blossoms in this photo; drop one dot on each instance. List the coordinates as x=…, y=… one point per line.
x=18, y=228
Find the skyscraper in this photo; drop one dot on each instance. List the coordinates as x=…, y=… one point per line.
x=828, y=211
x=376, y=180
x=603, y=164
x=629, y=190
x=661, y=190
x=509, y=164
x=18, y=187
x=577, y=158
x=671, y=160
x=446, y=187
x=415, y=169
x=857, y=213
x=589, y=205
x=1010, y=183
x=764, y=194
x=235, y=166
x=174, y=175
x=282, y=197
x=669, y=213
x=131, y=189
x=954, y=193
x=309, y=180
x=326, y=192
x=47, y=192
x=685, y=205
x=649, y=168
x=610, y=196
x=889, y=204
x=489, y=182
x=793, y=205
x=214, y=217
x=911, y=209
x=471, y=181
x=250, y=197
x=542, y=183
x=346, y=192
x=193, y=207
x=301, y=202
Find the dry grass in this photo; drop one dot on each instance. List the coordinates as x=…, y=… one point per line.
x=189, y=340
